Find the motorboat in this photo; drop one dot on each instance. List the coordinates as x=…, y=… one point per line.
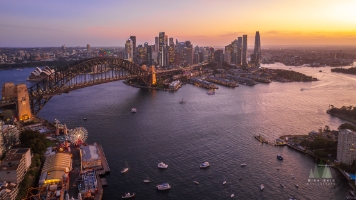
x=124, y=170
x=147, y=180
x=85, y=119
x=292, y=175
x=162, y=165
x=182, y=101
x=320, y=71
x=277, y=168
x=243, y=164
x=133, y=110
x=224, y=182
x=282, y=185
x=296, y=185
x=163, y=186
x=240, y=178
x=196, y=182
x=262, y=186
x=204, y=165
x=279, y=157
x=128, y=195
x=232, y=195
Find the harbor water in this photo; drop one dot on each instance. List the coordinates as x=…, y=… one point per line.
x=216, y=128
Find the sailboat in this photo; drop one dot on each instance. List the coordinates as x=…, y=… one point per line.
x=147, y=180
x=232, y=195
x=182, y=101
x=125, y=169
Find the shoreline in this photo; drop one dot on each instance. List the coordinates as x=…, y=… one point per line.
x=349, y=181
x=342, y=117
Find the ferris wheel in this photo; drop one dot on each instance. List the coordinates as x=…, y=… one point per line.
x=78, y=135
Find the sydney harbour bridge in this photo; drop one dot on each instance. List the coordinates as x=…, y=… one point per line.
x=86, y=73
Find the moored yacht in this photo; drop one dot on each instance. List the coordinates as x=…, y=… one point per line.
x=204, y=165
x=128, y=195
x=163, y=186
x=162, y=165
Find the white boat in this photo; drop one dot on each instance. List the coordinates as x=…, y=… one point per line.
x=296, y=185
x=243, y=164
x=147, y=180
x=128, y=195
x=133, y=110
x=162, y=165
x=262, y=186
x=125, y=169
x=196, y=182
x=224, y=182
x=204, y=165
x=163, y=186
x=232, y=195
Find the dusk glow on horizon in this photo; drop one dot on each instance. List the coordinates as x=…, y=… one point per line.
x=204, y=23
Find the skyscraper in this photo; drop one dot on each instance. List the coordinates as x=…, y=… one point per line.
x=257, y=50
x=239, y=51
x=134, y=50
x=156, y=44
x=88, y=48
x=64, y=48
x=128, y=50
x=162, y=49
x=244, y=51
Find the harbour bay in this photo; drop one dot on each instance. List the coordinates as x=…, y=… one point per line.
x=215, y=128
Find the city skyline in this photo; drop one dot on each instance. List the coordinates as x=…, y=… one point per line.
x=204, y=23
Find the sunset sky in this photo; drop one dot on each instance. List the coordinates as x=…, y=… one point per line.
x=42, y=23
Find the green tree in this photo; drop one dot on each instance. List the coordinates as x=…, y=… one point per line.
x=347, y=126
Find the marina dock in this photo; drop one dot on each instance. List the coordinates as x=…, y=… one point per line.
x=104, y=162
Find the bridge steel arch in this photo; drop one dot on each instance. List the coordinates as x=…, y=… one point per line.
x=60, y=80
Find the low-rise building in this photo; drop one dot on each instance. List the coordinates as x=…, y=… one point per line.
x=90, y=157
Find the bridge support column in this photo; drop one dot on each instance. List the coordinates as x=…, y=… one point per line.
x=23, y=102
x=153, y=76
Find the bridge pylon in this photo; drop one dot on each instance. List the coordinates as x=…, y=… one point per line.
x=18, y=94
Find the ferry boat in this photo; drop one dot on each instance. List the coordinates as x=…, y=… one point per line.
x=162, y=165
x=279, y=157
x=133, y=110
x=204, y=165
x=128, y=195
x=163, y=186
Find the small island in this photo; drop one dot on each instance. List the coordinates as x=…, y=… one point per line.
x=351, y=70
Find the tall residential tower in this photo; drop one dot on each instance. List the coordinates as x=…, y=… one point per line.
x=257, y=50
x=244, y=51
